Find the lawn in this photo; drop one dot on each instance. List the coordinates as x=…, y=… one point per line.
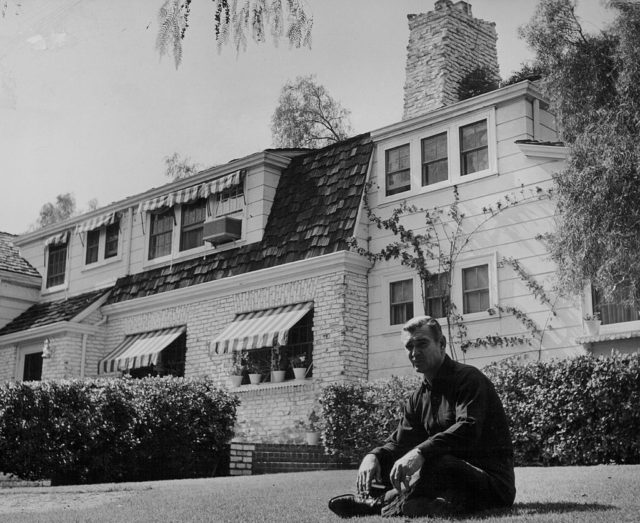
x=585, y=494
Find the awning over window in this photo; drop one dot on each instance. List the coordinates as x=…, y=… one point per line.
x=190, y=194
x=57, y=239
x=139, y=350
x=265, y=328
x=96, y=223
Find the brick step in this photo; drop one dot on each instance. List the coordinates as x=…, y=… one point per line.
x=300, y=457
x=274, y=467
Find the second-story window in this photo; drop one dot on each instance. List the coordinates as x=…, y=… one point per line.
x=475, y=289
x=474, y=148
x=112, y=235
x=401, y=301
x=229, y=201
x=435, y=161
x=193, y=216
x=93, y=245
x=56, y=264
x=160, y=232
x=397, y=170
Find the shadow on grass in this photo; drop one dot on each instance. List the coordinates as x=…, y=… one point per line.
x=530, y=509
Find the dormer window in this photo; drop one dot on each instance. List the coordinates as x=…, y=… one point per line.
x=229, y=201
x=100, y=236
x=112, y=235
x=192, y=224
x=160, y=234
x=56, y=251
x=93, y=246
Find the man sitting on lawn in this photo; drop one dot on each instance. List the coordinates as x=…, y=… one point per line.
x=452, y=451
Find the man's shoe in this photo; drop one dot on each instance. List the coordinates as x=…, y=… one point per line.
x=349, y=505
x=418, y=506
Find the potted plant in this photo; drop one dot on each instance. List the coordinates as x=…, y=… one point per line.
x=592, y=324
x=311, y=428
x=278, y=364
x=255, y=372
x=299, y=367
x=237, y=367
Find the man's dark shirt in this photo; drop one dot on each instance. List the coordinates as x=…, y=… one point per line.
x=460, y=414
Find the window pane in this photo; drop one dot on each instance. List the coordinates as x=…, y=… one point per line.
x=401, y=301
x=435, y=172
x=193, y=216
x=56, y=266
x=618, y=310
x=111, y=240
x=93, y=244
x=161, y=231
x=475, y=289
x=397, y=170
x=474, y=151
x=434, y=148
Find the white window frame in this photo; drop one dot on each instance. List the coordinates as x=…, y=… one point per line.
x=611, y=328
x=452, y=129
x=65, y=284
x=392, y=276
x=21, y=352
x=456, y=291
x=101, y=261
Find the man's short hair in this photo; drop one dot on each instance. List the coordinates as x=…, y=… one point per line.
x=424, y=321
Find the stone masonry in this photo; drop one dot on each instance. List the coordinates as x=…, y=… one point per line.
x=444, y=46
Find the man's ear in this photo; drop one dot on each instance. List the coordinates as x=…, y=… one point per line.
x=443, y=344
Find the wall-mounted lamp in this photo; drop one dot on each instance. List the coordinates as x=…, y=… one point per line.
x=46, y=349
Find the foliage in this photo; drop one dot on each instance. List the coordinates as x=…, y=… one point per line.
x=114, y=429
x=307, y=116
x=361, y=415
x=526, y=72
x=435, y=249
x=481, y=80
x=593, y=82
x=232, y=20
x=299, y=362
x=63, y=208
x=178, y=167
x=580, y=411
x=278, y=358
x=311, y=424
x=238, y=359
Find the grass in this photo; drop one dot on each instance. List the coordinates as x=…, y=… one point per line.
x=585, y=494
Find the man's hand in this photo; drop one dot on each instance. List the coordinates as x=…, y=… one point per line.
x=369, y=470
x=404, y=468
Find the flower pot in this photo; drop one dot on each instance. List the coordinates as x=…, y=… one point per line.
x=236, y=380
x=592, y=327
x=299, y=372
x=255, y=378
x=313, y=438
x=277, y=376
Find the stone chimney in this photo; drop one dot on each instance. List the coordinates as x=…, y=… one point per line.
x=444, y=46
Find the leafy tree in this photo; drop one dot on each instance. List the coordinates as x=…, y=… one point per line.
x=63, y=208
x=178, y=167
x=481, y=80
x=593, y=82
x=307, y=116
x=233, y=19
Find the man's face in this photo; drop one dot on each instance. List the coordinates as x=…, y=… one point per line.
x=425, y=352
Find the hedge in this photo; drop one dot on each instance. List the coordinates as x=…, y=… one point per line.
x=106, y=430
x=581, y=411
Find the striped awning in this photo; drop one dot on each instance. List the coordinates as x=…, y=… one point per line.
x=96, y=223
x=265, y=328
x=57, y=239
x=190, y=194
x=139, y=350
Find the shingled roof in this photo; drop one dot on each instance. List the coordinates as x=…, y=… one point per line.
x=10, y=259
x=314, y=213
x=47, y=313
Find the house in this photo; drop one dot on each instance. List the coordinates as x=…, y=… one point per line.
x=255, y=255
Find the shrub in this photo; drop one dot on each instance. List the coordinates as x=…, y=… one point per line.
x=581, y=411
x=360, y=416
x=87, y=431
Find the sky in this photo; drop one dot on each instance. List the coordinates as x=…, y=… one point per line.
x=87, y=106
